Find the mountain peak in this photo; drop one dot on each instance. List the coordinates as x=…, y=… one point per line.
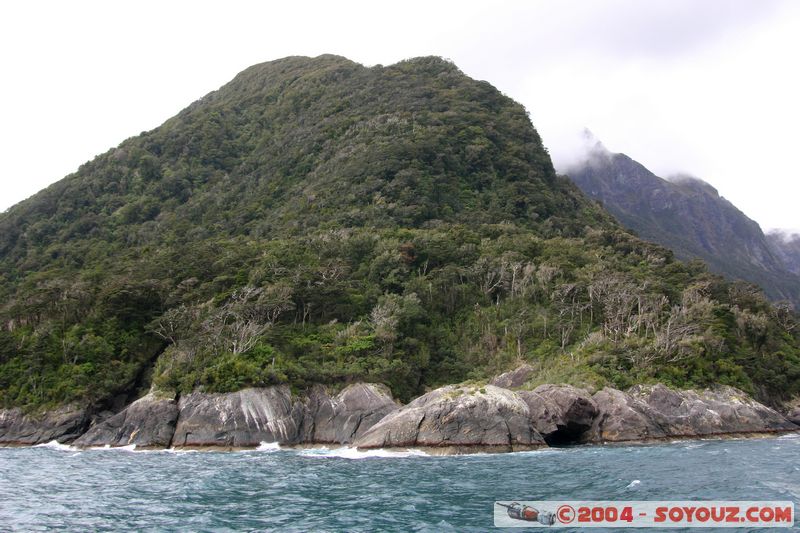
x=592, y=144
x=292, y=145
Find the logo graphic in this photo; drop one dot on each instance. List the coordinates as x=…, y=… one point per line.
x=517, y=511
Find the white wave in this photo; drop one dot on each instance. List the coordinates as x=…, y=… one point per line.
x=314, y=452
x=633, y=484
x=346, y=452
x=268, y=447
x=55, y=445
x=542, y=450
x=177, y=451
x=128, y=448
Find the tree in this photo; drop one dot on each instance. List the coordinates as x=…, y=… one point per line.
x=176, y=323
x=248, y=313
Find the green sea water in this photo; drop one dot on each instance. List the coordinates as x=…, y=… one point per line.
x=58, y=488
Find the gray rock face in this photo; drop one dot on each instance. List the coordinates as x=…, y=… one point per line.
x=452, y=419
x=656, y=411
x=513, y=379
x=346, y=416
x=459, y=419
x=792, y=411
x=149, y=422
x=561, y=413
x=238, y=419
x=723, y=409
x=63, y=424
x=622, y=418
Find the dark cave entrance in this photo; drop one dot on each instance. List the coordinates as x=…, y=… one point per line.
x=566, y=435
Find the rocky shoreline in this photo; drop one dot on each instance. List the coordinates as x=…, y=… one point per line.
x=449, y=420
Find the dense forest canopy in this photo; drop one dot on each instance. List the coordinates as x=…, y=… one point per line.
x=317, y=221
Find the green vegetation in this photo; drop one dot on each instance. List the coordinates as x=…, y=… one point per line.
x=315, y=221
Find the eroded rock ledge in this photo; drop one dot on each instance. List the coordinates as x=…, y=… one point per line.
x=458, y=419
x=149, y=422
x=451, y=419
x=64, y=424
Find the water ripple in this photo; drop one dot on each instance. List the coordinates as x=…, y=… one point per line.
x=58, y=487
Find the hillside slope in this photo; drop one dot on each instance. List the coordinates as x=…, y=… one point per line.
x=688, y=216
x=317, y=221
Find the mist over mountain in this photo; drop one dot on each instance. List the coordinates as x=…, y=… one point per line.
x=787, y=247
x=315, y=221
x=688, y=216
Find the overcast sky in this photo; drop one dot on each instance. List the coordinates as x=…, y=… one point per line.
x=706, y=87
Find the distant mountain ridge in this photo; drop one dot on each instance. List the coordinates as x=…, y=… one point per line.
x=689, y=216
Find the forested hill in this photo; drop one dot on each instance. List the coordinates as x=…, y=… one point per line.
x=307, y=144
x=317, y=221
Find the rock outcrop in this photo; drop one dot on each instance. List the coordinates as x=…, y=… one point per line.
x=251, y=416
x=514, y=378
x=238, y=419
x=720, y=410
x=792, y=411
x=149, y=422
x=346, y=416
x=622, y=417
x=63, y=424
x=245, y=418
x=458, y=419
x=560, y=413
x=657, y=412
x=451, y=419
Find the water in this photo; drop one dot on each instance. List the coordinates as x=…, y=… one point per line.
x=56, y=487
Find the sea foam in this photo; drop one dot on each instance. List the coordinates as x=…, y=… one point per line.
x=106, y=448
x=55, y=445
x=347, y=452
